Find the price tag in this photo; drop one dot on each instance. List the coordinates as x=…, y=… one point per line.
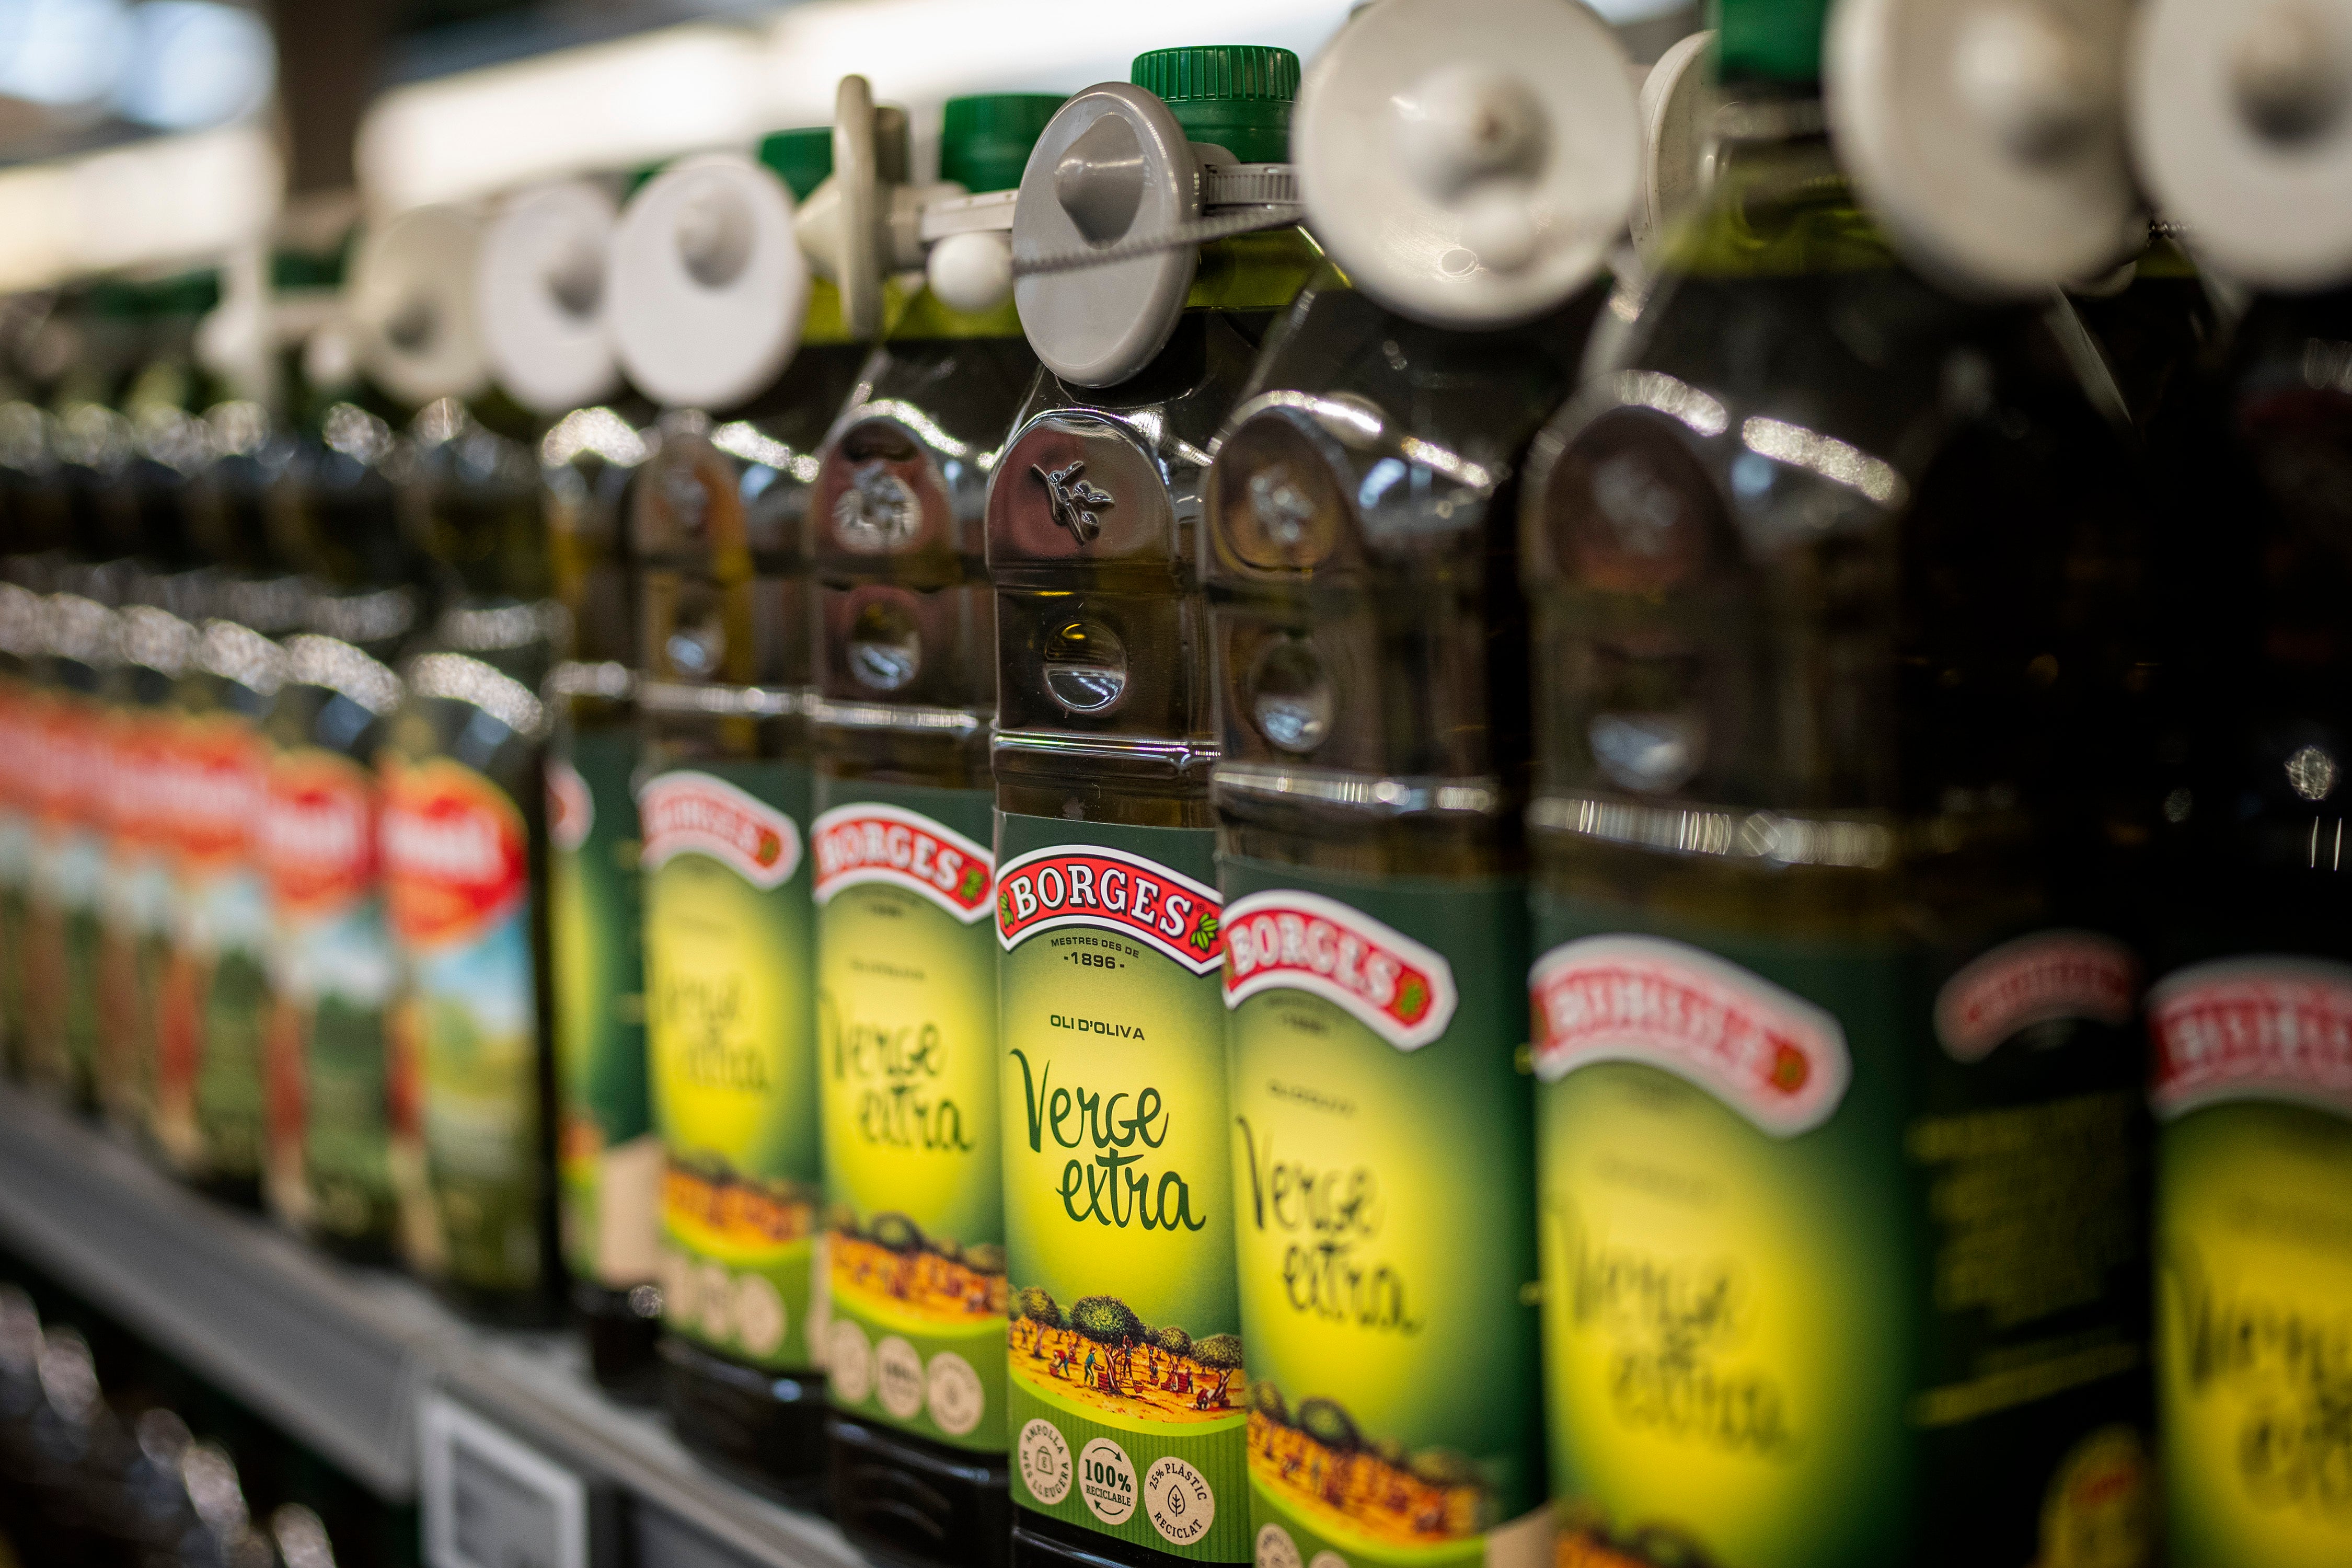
x=493, y=1501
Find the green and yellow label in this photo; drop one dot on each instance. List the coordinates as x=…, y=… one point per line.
x=908, y=1060
x=731, y=1025
x=1384, y=1196
x=607, y=1158
x=1128, y=1400
x=1839, y=1268
x=2254, y=1238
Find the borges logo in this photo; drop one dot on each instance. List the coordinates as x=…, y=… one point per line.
x=1768, y=1054
x=1110, y=889
x=870, y=842
x=2036, y=979
x=1283, y=939
x=2252, y=1028
x=696, y=814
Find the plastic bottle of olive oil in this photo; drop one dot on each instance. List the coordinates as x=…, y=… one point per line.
x=156, y=649
x=21, y=706
x=462, y=836
x=1842, y=668
x=608, y=1158
x=2250, y=1017
x=1125, y=1395
x=542, y=295
x=122, y=475
x=213, y=1010
x=1370, y=666
x=901, y=857
x=70, y=840
x=725, y=618
x=33, y=534
x=461, y=827
x=174, y=583
x=328, y=1167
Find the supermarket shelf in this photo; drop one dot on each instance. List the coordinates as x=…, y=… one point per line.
x=337, y=1355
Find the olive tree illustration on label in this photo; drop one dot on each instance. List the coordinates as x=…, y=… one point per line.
x=907, y=1063
x=1385, y=1218
x=458, y=880
x=731, y=1027
x=2252, y=1088
x=1128, y=1400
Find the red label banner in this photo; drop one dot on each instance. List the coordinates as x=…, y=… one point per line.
x=2035, y=979
x=217, y=780
x=869, y=841
x=2252, y=1028
x=456, y=851
x=1111, y=891
x=694, y=812
x=1285, y=939
x=318, y=833
x=1768, y=1053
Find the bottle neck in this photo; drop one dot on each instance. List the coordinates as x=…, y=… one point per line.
x=1779, y=204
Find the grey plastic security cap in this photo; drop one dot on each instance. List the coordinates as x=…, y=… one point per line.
x=1988, y=135
x=1114, y=165
x=706, y=284
x=1469, y=163
x=413, y=307
x=2240, y=115
x=542, y=289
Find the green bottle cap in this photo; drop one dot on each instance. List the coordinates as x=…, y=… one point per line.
x=183, y=294
x=1235, y=96
x=114, y=299
x=1770, y=41
x=985, y=139
x=802, y=159
x=291, y=267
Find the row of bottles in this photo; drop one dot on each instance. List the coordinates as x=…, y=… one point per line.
x=1576, y=864
x=110, y=1474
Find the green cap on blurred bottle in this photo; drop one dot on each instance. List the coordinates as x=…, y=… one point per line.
x=801, y=158
x=985, y=139
x=1235, y=96
x=1770, y=41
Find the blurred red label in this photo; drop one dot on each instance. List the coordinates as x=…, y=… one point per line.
x=456, y=855
x=214, y=782
x=318, y=836
x=1287, y=940
x=2252, y=1028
